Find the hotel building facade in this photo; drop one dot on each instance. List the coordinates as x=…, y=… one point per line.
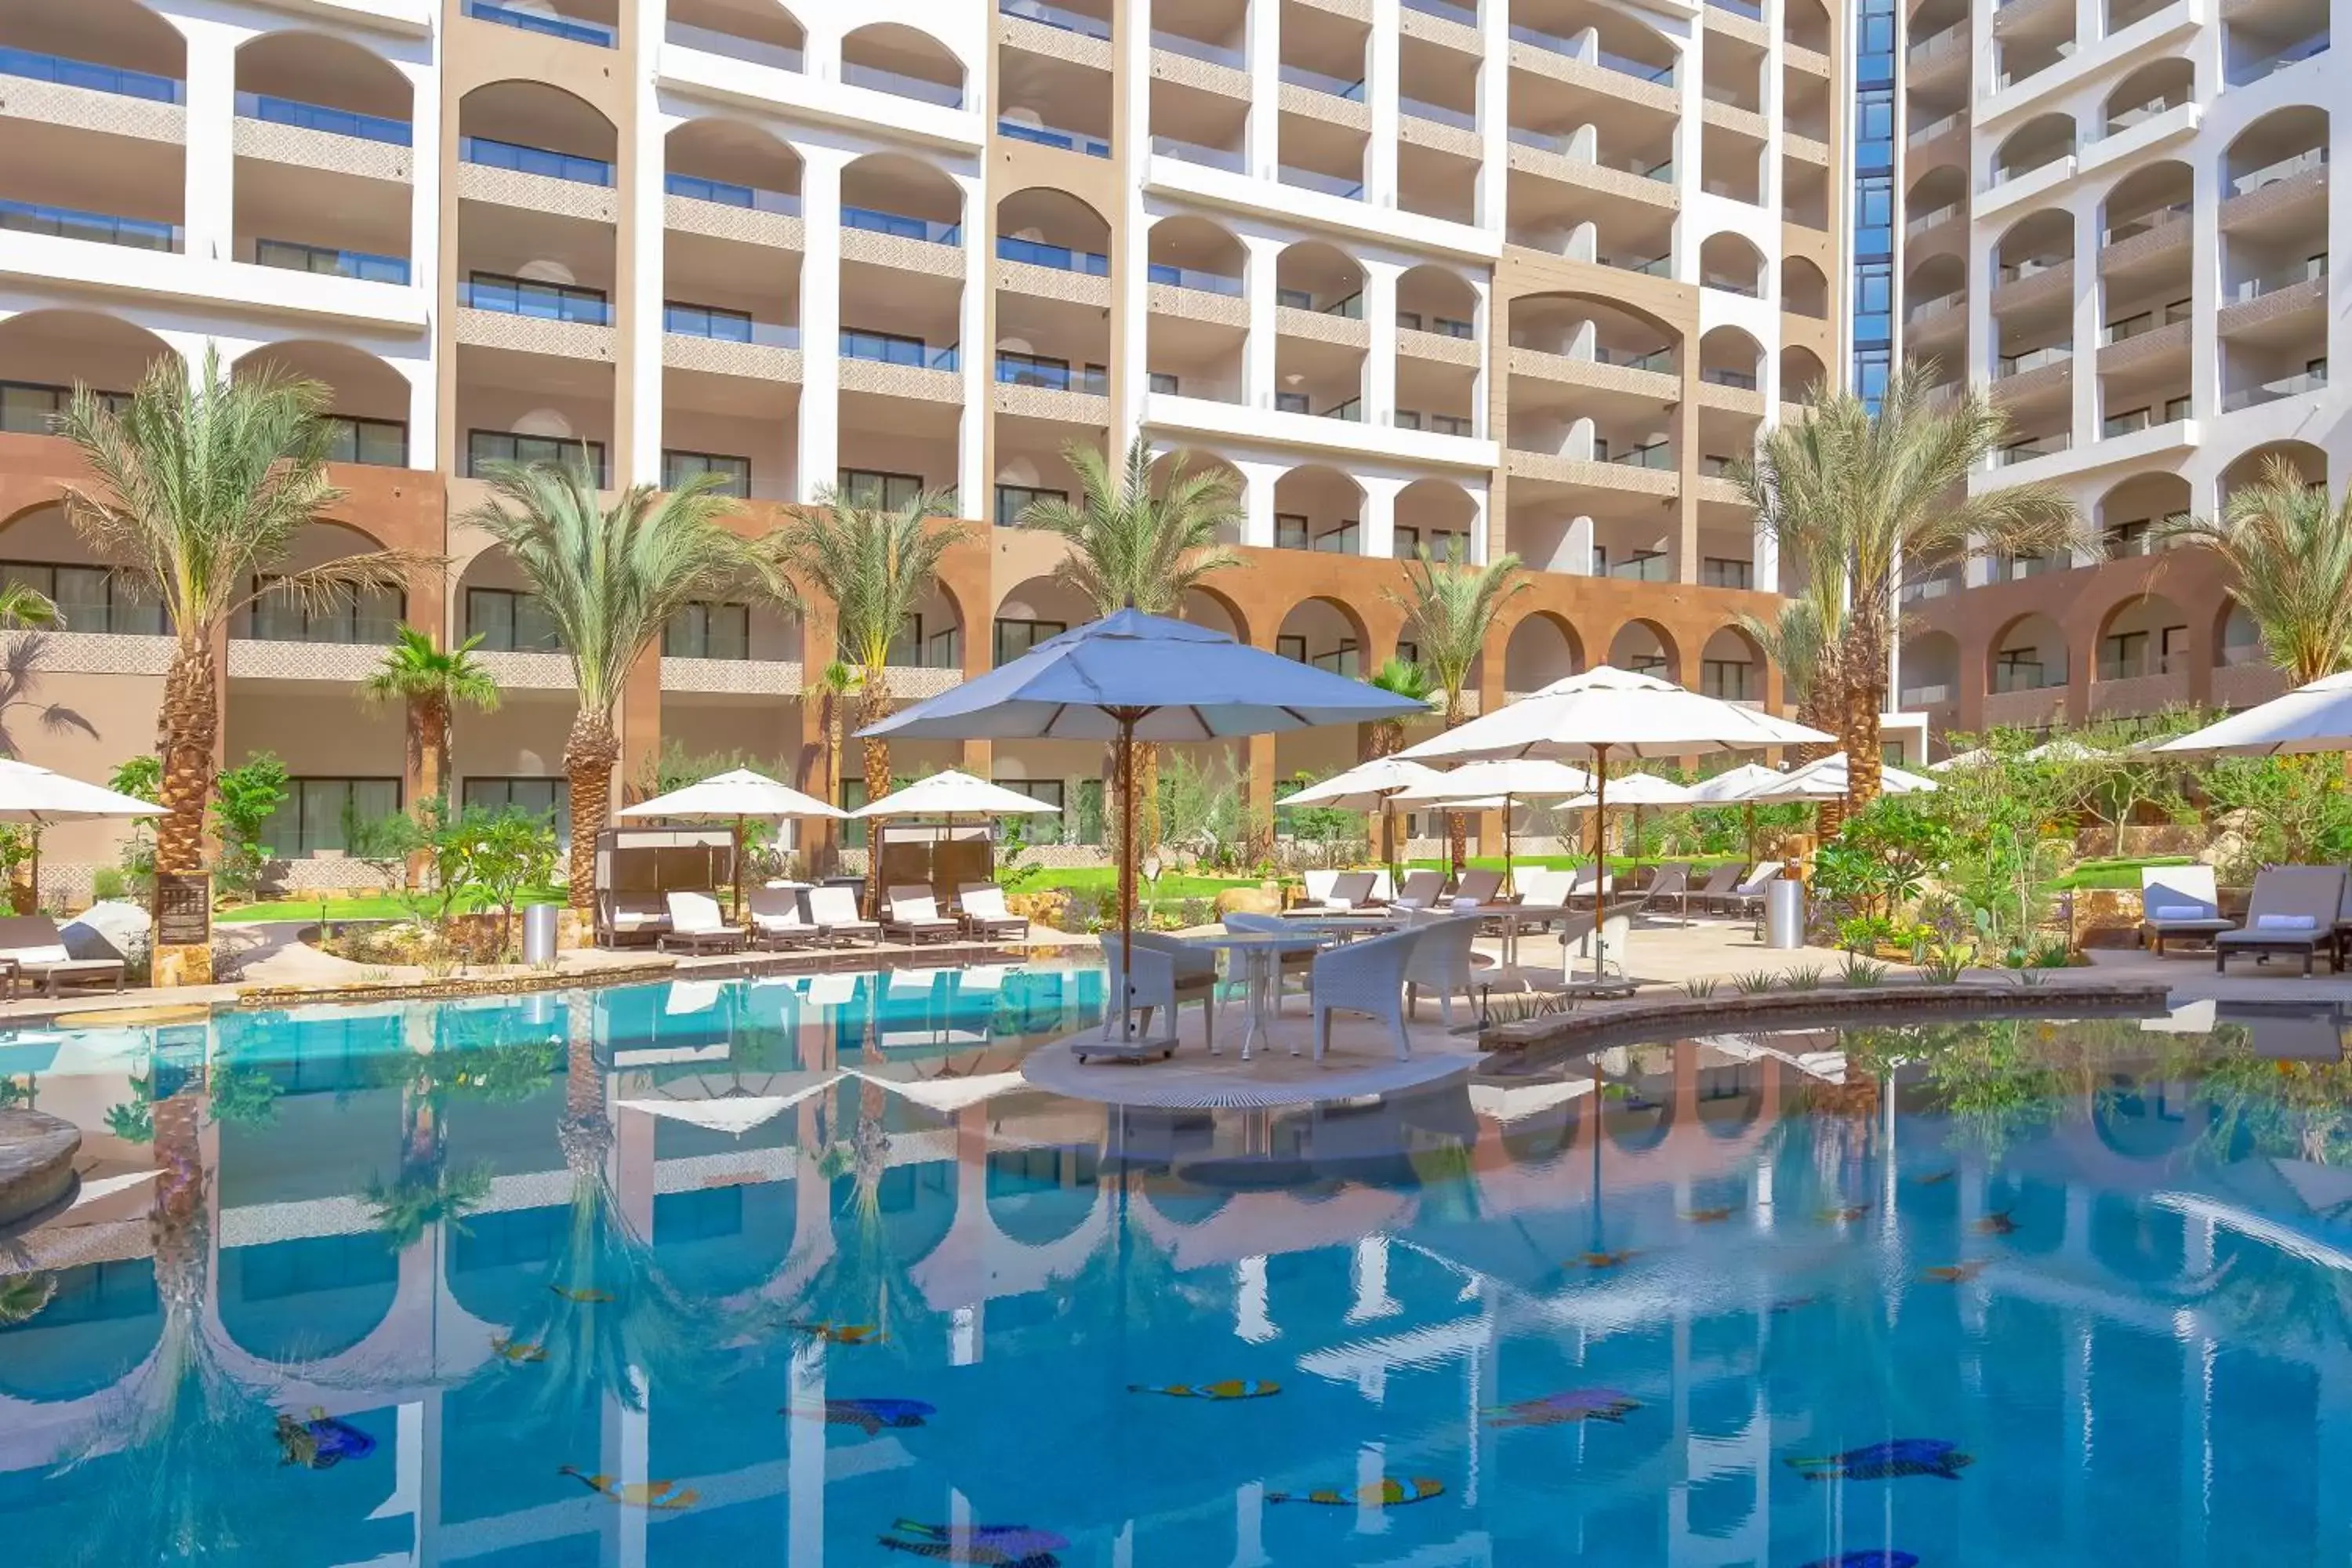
x=1522, y=276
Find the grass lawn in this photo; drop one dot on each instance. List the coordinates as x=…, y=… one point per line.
x=383, y=908
x=2122, y=874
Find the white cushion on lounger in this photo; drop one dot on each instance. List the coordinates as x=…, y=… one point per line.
x=53, y=954
x=2184, y=912
x=2285, y=922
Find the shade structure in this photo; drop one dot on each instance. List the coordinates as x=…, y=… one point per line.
x=1369, y=786
x=2313, y=718
x=953, y=794
x=1631, y=792
x=1608, y=711
x=40, y=798
x=1132, y=676
x=1730, y=788
x=1507, y=778
x=1825, y=779
x=1960, y=760
x=741, y=794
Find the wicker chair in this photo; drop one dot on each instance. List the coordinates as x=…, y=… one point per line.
x=1366, y=977
x=1441, y=962
x=1157, y=972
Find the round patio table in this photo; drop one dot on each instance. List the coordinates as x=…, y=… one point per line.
x=1260, y=954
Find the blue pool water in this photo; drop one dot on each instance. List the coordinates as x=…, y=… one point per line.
x=781, y=1272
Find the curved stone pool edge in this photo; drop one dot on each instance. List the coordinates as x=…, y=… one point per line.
x=1526, y=1045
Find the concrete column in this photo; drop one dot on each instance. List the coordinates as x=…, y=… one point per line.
x=1494, y=119
x=423, y=263
x=207, y=212
x=2204, y=276
x=638, y=389
x=1381, y=91
x=1263, y=138
x=1258, y=479
x=978, y=354
x=2090, y=318
x=1376, y=528
x=1257, y=349
x=1482, y=379
x=1578, y=547
x=1484, y=525
x=820, y=431
x=1381, y=358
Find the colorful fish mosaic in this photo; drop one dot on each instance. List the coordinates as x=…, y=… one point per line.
x=1230, y=1388
x=1794, y=1303
x=583, y=1298
x=515, y=1350
x=1888, y=1461
x=1881, y=1559
x=666, y=1495
x=320, y=1441
x=1998, y=1222
x=1953, y=1273
x=868, y=1415
x=834, y=1334
x=1935, y=1179
x=1605, y=1260
x=1558, y=1409
x=1845, y=1214
x=1389, y=1493
x=990, y=1545
x=1709, y=1216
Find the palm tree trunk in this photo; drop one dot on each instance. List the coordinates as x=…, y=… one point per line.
x=190, y=725
x=176, y=1222
x=874, y=704
x=589, y=754
x=428, y=752
x=1457, y=837
x=1859, y=733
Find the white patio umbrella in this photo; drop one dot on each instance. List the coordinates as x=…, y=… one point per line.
x=741, y=794
x=1959, y=759
x=2313, y=718
x=1507, y=778
x=1605, y=711
x=1825, y=779
x=1132, y=676
x=40, y=799
x=1632, y=791
x=1730, y=788
x=1368, y=787
x=950, y=795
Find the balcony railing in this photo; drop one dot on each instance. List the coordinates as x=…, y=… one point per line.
x=2123, y=120
x=1316, y=180
x=1723, y=571
x=1743, y=380
x=1935, y=696
x=2145, y=665
x=1922, y=589
x=1656, y=455
x=2137, y=419
x=2295, y=53
x=880, y=348
x=726, y=193
x=578, y=32
x=1192, y=278
x=2005, y=172
x=1060, y=258
x=1465, y=15
x=2147, y=322
x=2272, y=173
x=539, y=301
x=89, y=74
x=1068, y=21
x=2032, y=360
x=1441, y=423
x=2285, y=278
x=756, y=51
x=2145, y=223
x=947, y=95
x=491, y=153
x=685, y=321
x=2034, y=265
x=298, y=258
x=1022, y=369
x=2273, y=390
x=2035, y=677
x=1199, y=49
x=1049, y=136
x=105, y=229
x=875, y=221
x=1935, y=128
x=1318, y=81
x=320, y=116
x=1732, y=284
x=1439, y=114
x=1927, y=220
x=1926, y=308
x=1232, y=160
x=1649, y=566
x=1937, y=45
x=2026, y=451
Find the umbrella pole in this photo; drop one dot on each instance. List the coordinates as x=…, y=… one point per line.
x=738, y=870
x=1599, y=862
x=1506, y=843
x=1752, y=837
x=1125, y=882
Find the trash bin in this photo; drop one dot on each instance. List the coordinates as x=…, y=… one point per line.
x=540, y=923
x=1784, y=913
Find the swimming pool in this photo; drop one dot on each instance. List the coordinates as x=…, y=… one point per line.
x=801, y=1272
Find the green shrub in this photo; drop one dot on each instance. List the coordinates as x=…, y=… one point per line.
x=109, y=882
x=1806, y=978
x=1944, y=967
x=1699, y=990
x=1859, y=973
x=1754, y=984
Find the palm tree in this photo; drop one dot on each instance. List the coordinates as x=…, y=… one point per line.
x=1385, y=737
x=24, y=606
x=1135, y=544
x=610, y=579
x=433, y=681
x=1802, y=640
x=1885, y=492
x=2291, y=552
x=1452, y=608
x=874, y=566
x=836, y=684
x=203, y=487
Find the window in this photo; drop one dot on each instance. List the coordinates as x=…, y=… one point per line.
x=1646, y=663
x=942, y=649
x=549, y=798
x=703, y=630
x=1011, y=500
x=1874, y=301
x=1341, y=541
x=1725, y=680
x=734, y=473
x=1055, y=375
x=88, y=598
x=1015, y=638
x=1719, y=571
x=510, y=622
x=513, y=296
x=1289, y=530
x=2017, y=670
x=2123, y=655
x=1291, y=403
x=1162, y=381
x=1296, y=299
x=705, y=321
x=2127, y=539
x=1409, y=651
x=319, y=813
x=486, y=446
x=369, y=616
x=383, y=442
x=1291, y=647
x=27, y=407
x=872, y=487
x=1444, y=544
x=1874, y=116
x=887, y=348
x=1340, y=660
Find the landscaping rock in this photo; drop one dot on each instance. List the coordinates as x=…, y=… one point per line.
x=1249, y=902
x=115, y=929
x=37, y=1156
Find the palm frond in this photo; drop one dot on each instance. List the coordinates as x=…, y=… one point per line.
x=1451, y=607
x=1134, y=541
x=874, y=565
x=2291, y=552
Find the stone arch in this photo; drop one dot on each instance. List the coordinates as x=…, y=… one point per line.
x=2029, y=653
x=1647, y=646
x=1316, y=275
x=1435, y=296
x=2137, y=201
x=1943, y=186
x=362, y=388
x=58, y=348
x=117, y=33
x=2044, y=138
x=896, y=58
x=298, y=68
x=1435, y=515
x=1525, y=312
x=1033, y=1212
x=2280, y=145
x=1732, y=666
x=896, y=186
x=534, y=114
x=2150, y=91
x=283, y=1330
x=1731, y=261
x=1204, y=606
x=1800, y=374
x=2130, y=513
x=777, y=38
x=1325, y=632
x=53, y=1364
x=1730, y=356
x=718, y=158
x=1059, y=221
x=1542, y=647
x=1318, y=507
x=2254, y=464
x=2235, y=639
x=2035, y=243
x=2144, y=632
x=1190, y=252
x=1730, y=1097
x=1803, y=290
x=1031, y=611
x=1930, y=670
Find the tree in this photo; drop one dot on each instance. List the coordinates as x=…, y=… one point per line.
x=22, y=606
x=433, y=682
x=202, y=487
x=1139, y=542
x=1802, y=640
x=1883, y=492
x=245, y=798
x=834, y=685
x=1452, y=608
x=874, y=566
x=610, y=578
x=497, y=855
x=1398, y=677
x=2291, y=552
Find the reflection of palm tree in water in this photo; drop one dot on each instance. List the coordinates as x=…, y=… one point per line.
x=868, y=1280
x=426, y=1193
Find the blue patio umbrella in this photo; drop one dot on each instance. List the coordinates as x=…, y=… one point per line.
x=1132, y=676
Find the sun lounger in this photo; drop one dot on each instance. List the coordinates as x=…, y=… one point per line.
x=1351, y=891
x=696, y=925
x=833, y=911
x=2179, y=901
x=1671, y=883
x=2294, y=910
x=623, y=919
x=777, y=920
x=1747, y=900
x=915, y=917
x=1478, y=886
x=1420, y=889
x=983, y=914
x=1711, y=893
x=34, y=944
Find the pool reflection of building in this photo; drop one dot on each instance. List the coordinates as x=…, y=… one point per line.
x=993, y=1205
